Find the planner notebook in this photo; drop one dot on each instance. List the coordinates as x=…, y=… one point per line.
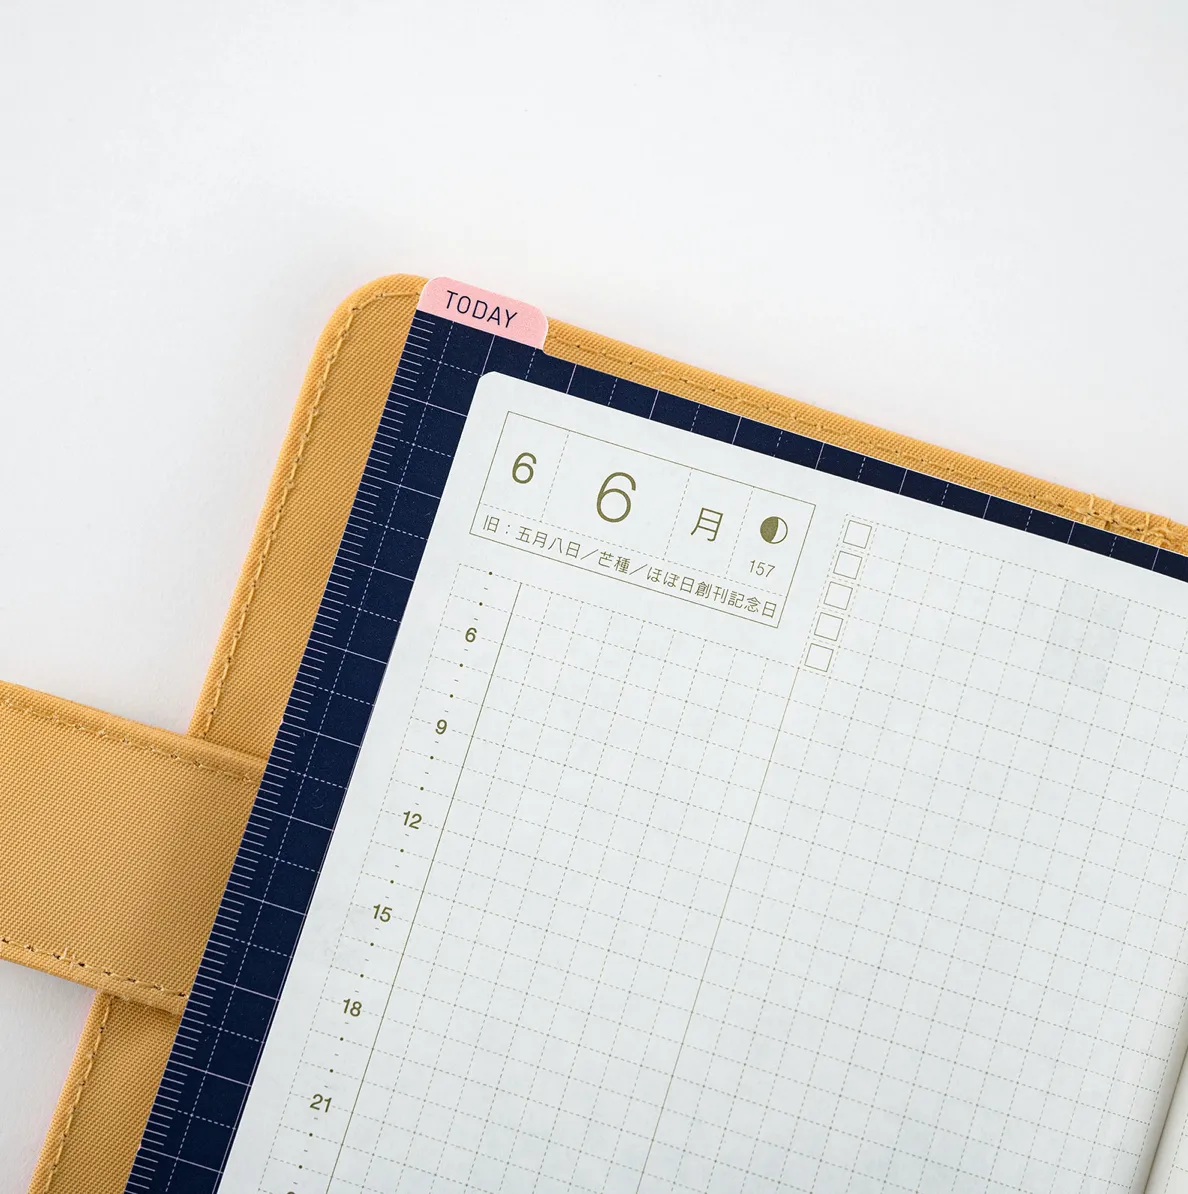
x=667, y=802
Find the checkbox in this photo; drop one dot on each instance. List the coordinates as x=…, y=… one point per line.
x=828, y=626
x=857, y=534
x=847, y=565
x=838, y=596
x=818, y=657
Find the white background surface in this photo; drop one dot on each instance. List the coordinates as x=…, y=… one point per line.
x=965, y=222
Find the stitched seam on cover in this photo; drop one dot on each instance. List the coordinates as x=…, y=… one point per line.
x=1149, y=526
x=78, y=1094
x=107, y=973
x=102, y=735
x=286, y=489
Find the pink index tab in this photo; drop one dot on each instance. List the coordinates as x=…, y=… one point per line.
x=482, y=309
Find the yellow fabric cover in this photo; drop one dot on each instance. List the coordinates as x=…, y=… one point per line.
x=94, y=1134
x=106, y=1099
x=117, y=844
x=157, y=816
x=304, y=514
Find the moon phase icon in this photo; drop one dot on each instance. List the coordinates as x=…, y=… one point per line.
x=773, y=529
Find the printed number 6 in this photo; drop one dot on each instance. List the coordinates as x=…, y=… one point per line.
x=522, y=470
x=605, y=492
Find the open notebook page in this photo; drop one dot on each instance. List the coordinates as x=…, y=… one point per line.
x=723, y=825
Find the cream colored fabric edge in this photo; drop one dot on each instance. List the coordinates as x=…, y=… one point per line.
x=597, y=352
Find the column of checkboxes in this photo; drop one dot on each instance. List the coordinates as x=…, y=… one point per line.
x=838, y=595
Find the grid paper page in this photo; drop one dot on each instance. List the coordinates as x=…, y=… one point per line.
x=952, y=958
x=573, y=902
x=628, y=895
